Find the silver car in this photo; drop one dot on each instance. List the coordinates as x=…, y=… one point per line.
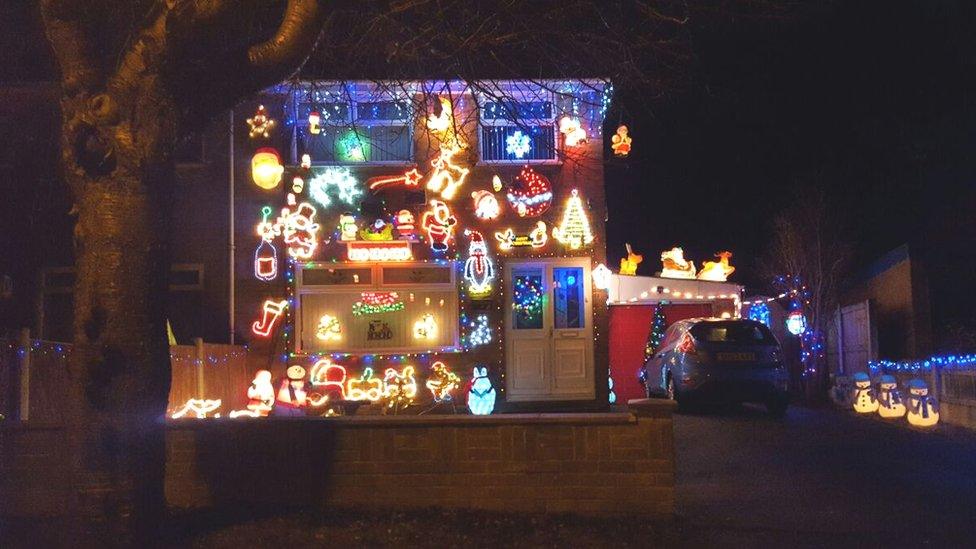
x=718, y=360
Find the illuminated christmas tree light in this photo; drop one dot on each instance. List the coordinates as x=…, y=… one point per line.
x=574, y=231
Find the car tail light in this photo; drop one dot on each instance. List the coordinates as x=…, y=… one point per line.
x=687, y=344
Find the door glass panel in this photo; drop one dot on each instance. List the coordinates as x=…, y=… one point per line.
x=528, y=300
x=567, y=286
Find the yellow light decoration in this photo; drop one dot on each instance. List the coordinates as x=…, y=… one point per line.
x=923, y=411
x=628, y=265
x=601, y=277
x=409, y=179
x=890, y=402
x=266, y=168
x=574, y=231
x=675, y=265
x=620, y=142
x=297, y=184
x=573, y=132
x=442, y=125
x=717, y=271
x=366, y=387
x=260, y=124
x=425, y=327
x=198, y=407
x=329, y=328
x=864, y=399
x=314, y=119
x=299, y=229
x=439, y=224
x=394, y=250
x=306, y=162
x=400, y=388
x=379, y=231
x=347, y=227
x=446, y=177
x=442, y=382
x=496, y=183
x=536, y=238
x=271, y=312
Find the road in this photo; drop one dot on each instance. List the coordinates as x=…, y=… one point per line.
x=822, y=478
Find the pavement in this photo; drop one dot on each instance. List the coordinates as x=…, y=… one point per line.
x=822, y=478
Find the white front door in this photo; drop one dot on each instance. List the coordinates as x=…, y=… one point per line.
x=549, y=330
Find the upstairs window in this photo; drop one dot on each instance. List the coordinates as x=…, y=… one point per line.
x=518, y=131
x=358, y=132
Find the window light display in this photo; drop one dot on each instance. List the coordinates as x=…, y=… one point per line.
x=485, y=205
x=923, y=410
x=260, y=124
x=439, y=223
x=530, y=195
x=864, y=399
x=271, y=312
x=394, y=250
x=266, y=255
x=425, y=327
x=620, y=142
x=573, y=133
x=329, y=328
x=759, y=312
x=299, y=230
x=574, y=231
x=796, y=322
x=405, y=227
x=478, y=267
x=366, y=387
x=518, y=144
x=481, y=394
x=891, y=404
x=442, y=382
x=266, y=168
x=528, y=296
x=410, y=179
x=336, y=181
x=352, y=146
x=399, y=388
x=446, y=177
x=327, y=376
x=198, y=408
x=717, y=271
x=628, y=265
x=675, y=265
x=601, y=277
x=260, y=396
x=479, y=332
x=348, y=229
x=377, y=303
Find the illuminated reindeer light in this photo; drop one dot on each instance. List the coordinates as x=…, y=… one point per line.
x=675, y=265
x=628, y=265
x=717, y=271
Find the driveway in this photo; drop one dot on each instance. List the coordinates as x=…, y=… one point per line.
x=822, y=477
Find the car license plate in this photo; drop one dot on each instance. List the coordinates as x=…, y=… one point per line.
x=736, y=357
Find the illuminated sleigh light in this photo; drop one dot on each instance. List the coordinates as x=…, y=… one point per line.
x=393, y=250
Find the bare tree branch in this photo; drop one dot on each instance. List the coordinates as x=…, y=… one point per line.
x=277, y=58
x=68, y=31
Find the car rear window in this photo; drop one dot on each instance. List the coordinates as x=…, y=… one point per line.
x=733, y=332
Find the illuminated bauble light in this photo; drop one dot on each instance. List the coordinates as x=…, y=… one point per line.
x=479, y=270
x=717, y=271
x=266, y=168
x=442, y=382
x=366, y=387
x=574, y=231
x=439, y=224
x=481, y=394
x=352, y=146
x=796, y=322
x=923, y=410
x=891, y=403
x=628, y=265
x=335, y=181
x=531, y=193
x=573, y=132
x=485, y=205
x=601, y=277
x=260, y=124
x=480, y=331
x=675, y=265
x=865, y=401
x=425, y=327
x=446, y=177
x=620, y=142
x=518, y=144
x=271, y=311
x=314, y=119
x=329, y=328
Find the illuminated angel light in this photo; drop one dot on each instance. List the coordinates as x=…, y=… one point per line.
x=479, y=331
x=573, y=133
x=328, y=376
x=266, y=255
x=314, y=119
x=366, y=387
x=200, y=408
x=923, y=410
x=329, y=328
x=481, y=394
x=478, y=267
x=628, y=265
x=796, y=323
x=442, y=382
x=260, y=124
x=410, y=179
x=674, y=264
x=518, y=144
x=425, y=327
x=537, y=238
x=620, y=142
x=348, y=230
x=531, y=193
x=352, y=146
x=266, y=168
x=372, y=303
x=717, y=271
x=574, y=231
x=439, y=225
x=601, y=277
x=334, y=180
x=446, y=177
x=271, y=312
x=485, y=205
x=299, y=229
x=399, y=388
x=394, y=250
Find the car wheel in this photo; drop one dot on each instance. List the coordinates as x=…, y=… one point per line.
x=777, y=407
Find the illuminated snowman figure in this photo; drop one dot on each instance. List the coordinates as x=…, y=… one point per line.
x=923, y=410
x=347, y=227
x=481, y=395
x=864, y=399
x=890, y=402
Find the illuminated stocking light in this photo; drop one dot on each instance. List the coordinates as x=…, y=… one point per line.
x=260, y=124
x=446, y=177
x=266, y=256
x=439, y=224
x=601, y=277
x=329, y=329
x=518, y=144
x=271, y=312
x=478, y=268
x=485, y=205
x=574, y=231
x=480, y=332
x=425, y=327
x=339, y=181
x=573, y=132
x=531, y=193
x=399, y=388
x=299, y=230
x=442, y=382
x=198, y=407
x=620, y=142
x=481, y=395
x=266, y=168
x=377, y=303
x=366, y=387
x=326, y=375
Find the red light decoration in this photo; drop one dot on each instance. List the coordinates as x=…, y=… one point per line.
x=392, y=250
x=408, y=179
x=531, y=193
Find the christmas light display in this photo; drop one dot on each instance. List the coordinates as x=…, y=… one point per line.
x=348, y=230
x=299, y=230
x=372, y=303
x=405, y=227
x=442, y=382
x=266, y=255
x=485, y=205
x=306, y=161
x=271, y=312
x=352, y=146
x=573, y=133
x=675, y=265
x=620, y=142
x=531, y=193
x=527, y=297
x=439, y=224
x=329, y=377
x=536, y=238
x=266, y=168
x=198, y=407
x=442, y=125
x=796, y=322
x=260, y=397
x=394, y=250
x=760, y=313
x=628, y=265
x=864, y=399
x=496, y=183
x=479, y=333
x=811, y=337
x=478, y=267
x=658, y=325
x=944, y=362
x=260, y=124
x=314, y=119
x=518, y=144
x=399, y=388
x=481, y=394
x=409, y=179
x=297, y=184
x=379, y=230
x=717, y=271
x=292, y=397
x=601, y=277
x=337, y=180
x=891, y=404
x=366, y=387
x=425, y=327
x=329, y=328
x=446, y=177
x=923, y=410
x=574, y=231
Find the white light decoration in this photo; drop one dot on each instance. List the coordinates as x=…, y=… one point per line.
x=796, y=323
x=923, y=410
x=573, y=132
x=717, y=271
x=425, y=327
x=266, y=168
x=675, y=265
x=496, y=183
x=306, y=162
x=446, y=177
x=410, y=179
x=198, y=407
x=348, y=230
x=620, y=142
x=479, y=331
x=271, y=312
x=478, y=267
x=485, y=205
x=399, y=388
x=864, y=399
x=266, y=255
x=299, y=229
x=260, y=397
x=439, y=224
x=601, y=277
x=481, y=395
x=536, y=238
x=518, y=144
x=337, y=180
x=891, y=404
x=329, y=328
x=574, y=231
x=394, y=250
x=260, y=124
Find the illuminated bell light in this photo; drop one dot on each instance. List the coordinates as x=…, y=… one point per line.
x=531, y=193
x=198, y=407
x=329, y=328
x=675, y=265
x=574, y=231
x=864, y=399
x=266, y=255
x=266, y=168
x=399, y=388
x=326, y=375
x=425, y=327
x=717, y=271
x=299, y=229
x=409, y=179
x=394, y=250
x=334, y=180
x=796, y=323
x=348, y=230
x=601, y=277
x=352, y=146
x=891, y=403
x=439, y=225
x=377, y=303
x=620, y=142
x=446, y=177
x=442, y=382
x=379, y=231
x=573, y=132
x=260, y=124
x=628, y=265
x=480, y=331
x=518, y=144
x=923, y=410
x=496, y=183
x=405, y=227
x=366, y=387
x=481, y=394
x=478, y=267
x=314, y=119
x=485, y=205
x=271, y=312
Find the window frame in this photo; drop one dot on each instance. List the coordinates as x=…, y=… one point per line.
x=519, y=96
x=352, y=100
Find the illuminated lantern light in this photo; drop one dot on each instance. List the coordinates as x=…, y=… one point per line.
x=601, y=277
x=536, y=238
x=531, y=193
x=864, y=399
x=379, y=231
x=299, y=230
x=334, y=180
x=442, y=382
x=329, y=328
x=923, y=410
x=377, y=303
x=352, y=146
x=409, y=179
x=271, y=312
x=891, y=404
x=399, y=388
x=405, y=227
x=573, y=133
x=326, y=375
x=675, y=265
x=266, y=168
x=480, y=331
x=260, y=124
x=481, y=394
x=314, y=119
x=717, y=271
x=260, y=397
x=628, y=265
x=348, y=229
x=518, y=144
x=446, y=177
x=439, y=224
x=796, y=323
x=425, y=327
x=198, y=408
x=760, y=313
x=485, y=205
x=574, y=231
x=266, y=255
x=394, y=250
x=620, y=142
x=366, y=387
x=478, y=267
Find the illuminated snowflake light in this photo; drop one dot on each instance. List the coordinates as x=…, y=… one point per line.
x=518, y=144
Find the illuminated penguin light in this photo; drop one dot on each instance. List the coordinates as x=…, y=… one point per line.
x=481, y=394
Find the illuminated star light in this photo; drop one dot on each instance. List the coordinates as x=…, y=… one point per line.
x=518, y=144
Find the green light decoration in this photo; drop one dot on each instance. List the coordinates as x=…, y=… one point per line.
x=528, y=298
x=658, y=326
x=352, y=146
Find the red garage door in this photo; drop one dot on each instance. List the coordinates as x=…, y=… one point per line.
x=629, y=327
